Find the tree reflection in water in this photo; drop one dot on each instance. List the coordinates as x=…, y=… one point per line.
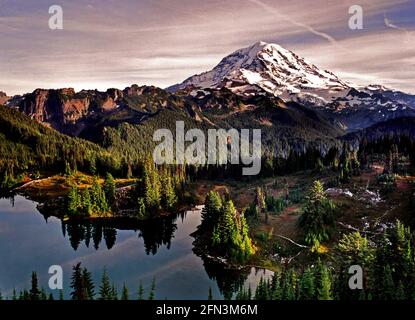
x=229, y=281
x=155, y=233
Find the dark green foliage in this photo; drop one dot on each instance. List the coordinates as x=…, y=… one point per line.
x=89, y=201
x=140, y=292
x=226, y=228
x=263, y=290
x=317, y=219
x=307, y=285
x=211, y=211
x=27, y=146
x=105, y=289
x=82, y=284
x=274, y=205
x=34, y=290
x=109, y=189
x=124, y=294
x=152, y=294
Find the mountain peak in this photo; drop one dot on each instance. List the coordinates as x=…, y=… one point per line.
x=265, y=67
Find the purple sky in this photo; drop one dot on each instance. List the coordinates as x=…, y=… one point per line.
x=114, y=43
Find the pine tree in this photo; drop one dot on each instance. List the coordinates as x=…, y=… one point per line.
x=169, y=198
x=276, y=289
x=288, y=287
x=99, y=201
x=34, y=291
x=152, y=293
x=211, y=210
x=114, y=292
x=307, y=285
x=152, y=185
x=124, y=294
x=14, y=294
x=317, y=219
x=77, y=283
x=61, y=295
x=73, y=201
x=109, y=188
x=140, y=292
x=324, y=290
x=105, y=289
x=88, y=284
x=86, y=202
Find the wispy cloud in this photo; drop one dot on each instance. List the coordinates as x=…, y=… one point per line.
x=115, y=43
x=287, y=18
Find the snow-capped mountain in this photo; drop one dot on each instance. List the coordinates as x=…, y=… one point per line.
x=266, y=68
x=269, y=67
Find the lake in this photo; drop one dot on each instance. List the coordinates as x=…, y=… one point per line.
x=160, y=249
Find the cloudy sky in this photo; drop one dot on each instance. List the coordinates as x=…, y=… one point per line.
x=114, y=43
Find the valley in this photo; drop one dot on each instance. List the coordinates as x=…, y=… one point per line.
x=336, y=180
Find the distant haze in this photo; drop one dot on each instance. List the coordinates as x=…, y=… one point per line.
x=115, y=43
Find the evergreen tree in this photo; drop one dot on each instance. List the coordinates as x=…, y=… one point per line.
x=276, y=289
x=140, y=292
x=77, y=283
x=86, y=202
x=169, y=198
x=73, y=201
x=324, y=289
x=211, y=210
x=105, y=289
x=34, y=291
x=124, y=294
x=109, y=189
x=307, y=285
x=151, y=185
x=152, y=293
x=289, y=287
x=317, y=219
x=114, y=292
x=88, y=284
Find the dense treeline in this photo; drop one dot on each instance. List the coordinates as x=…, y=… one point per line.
x=27, y=146
x=83, y=288
x=157, y=190
x=387, y=261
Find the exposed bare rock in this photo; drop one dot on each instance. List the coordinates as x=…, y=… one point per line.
x=3, y=97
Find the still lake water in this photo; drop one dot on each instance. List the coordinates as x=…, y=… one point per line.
x=160, y=249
